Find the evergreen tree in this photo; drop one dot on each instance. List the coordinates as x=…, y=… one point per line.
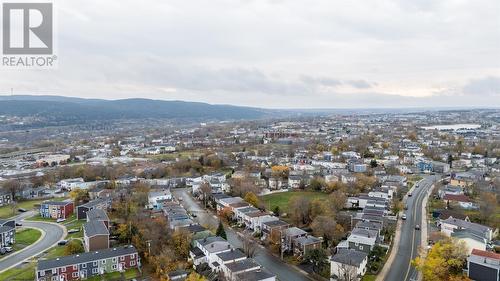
x=220, y=231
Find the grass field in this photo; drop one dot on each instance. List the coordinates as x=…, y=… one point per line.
x=26, y=237
x=21, y=273
x=281, y=199
x=369, y=277
x=6, y=211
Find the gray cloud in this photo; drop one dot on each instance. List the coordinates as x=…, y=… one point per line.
x=488, y=86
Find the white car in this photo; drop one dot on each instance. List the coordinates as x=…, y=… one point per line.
x=60, y=220
x=403, y=217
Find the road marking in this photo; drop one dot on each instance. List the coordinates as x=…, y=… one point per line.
x=413, y=239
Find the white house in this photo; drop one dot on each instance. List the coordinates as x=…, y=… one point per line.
x=348, y=264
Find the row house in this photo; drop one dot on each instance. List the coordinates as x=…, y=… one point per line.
x=56, y=209
x=86, y=265
x=100, y=203
x=302, y=245
x=483, y=266
x=157, y=197
x=7, y=232
x=275, y=227
x=348, y=264
x=362, y=239
x=95, y=236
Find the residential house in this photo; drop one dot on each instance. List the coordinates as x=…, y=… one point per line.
x=209, y=247
x=290, y=234
x=362, y=239
x=450, y=225
x=98, y=215
x=56, y=209
x=303, y=244
x=156, y=198
x=86, y=265
x=483, y=266
x=275, y=226
x=101, y=203
x=348, y=264
x=7, y=232
x=95, y=236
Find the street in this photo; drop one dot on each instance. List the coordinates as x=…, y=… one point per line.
x=53, y=233
x=401, y=269
x=283, y=271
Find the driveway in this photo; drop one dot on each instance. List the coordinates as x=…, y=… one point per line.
x=401, y=269
x=51, y=234
x=283, y=271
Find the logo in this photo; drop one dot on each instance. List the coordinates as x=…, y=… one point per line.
x=28, y=35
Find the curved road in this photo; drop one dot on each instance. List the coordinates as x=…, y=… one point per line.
x=51, y=234
x=401, y=269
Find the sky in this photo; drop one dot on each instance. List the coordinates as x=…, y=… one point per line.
x=275, y=53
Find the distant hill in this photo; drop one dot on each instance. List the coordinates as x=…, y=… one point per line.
x=68, y=110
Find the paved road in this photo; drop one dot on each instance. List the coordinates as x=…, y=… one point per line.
x=283, y=271
x=53, y=233
x=401, y=269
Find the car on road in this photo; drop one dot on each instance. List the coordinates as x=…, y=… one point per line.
x=403, y=217
x=74, y=230
x=62, y=242
x=19, y=224
x=60, y=220
x=22, y=210
x=409, y=194
x=406, y=207
x=417, y=227
x=194, y=215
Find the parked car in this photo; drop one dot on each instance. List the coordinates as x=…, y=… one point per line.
x=403, y=217
x=62, y=242
x=19, y=224
x=74, y=230
x=60, y=220
x=22, y=210
x=8, y=249
x=409, y=194
x=417, y=227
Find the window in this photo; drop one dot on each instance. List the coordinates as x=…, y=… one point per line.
x=132, y=263
x=103, y=261
x=75, y=267
x=122, y=258
x=94, y=270
x=361, y=247
x=41, y=273
x=114, y=267
x=114, y=259
x=95, y=263
x=63, y=269
x=356, y=244
x=84, y=265
x=132, y=256
x=75, y=274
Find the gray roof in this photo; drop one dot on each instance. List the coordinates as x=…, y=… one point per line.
x=231, y=255
x=94, y=203
x=208, y=240
x=275, y=223
x=242, y=265
x=294, y=231
x=349, y=256
x=56, y=203
x=255, y=275
x=475, y=228
x=97, y=214
x=5, y=228
x=86, y=257
x=93, y=228
x=307, y=240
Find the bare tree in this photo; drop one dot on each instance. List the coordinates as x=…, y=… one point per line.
x=249, y=246
x=13, y=187
x=347, y=273
x=206, y=191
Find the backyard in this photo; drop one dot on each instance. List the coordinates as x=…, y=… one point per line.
x=281, y=199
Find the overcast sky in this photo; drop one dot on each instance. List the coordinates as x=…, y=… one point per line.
x=275, y=53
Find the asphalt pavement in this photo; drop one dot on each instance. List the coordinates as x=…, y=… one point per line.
x=401, y=268
x=51, y=234
x=283, y=271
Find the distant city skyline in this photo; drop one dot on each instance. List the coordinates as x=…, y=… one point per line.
x=275, y=54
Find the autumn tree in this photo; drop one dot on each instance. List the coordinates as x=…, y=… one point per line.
x=299, y=209
x=181, y=240
x=205, y=192
x=73, y=247
x=328, y=228
x=444, y=261
x=337, y=200
x=79, y=196
x=193, y=276
x=249, y=246
x=252, y=199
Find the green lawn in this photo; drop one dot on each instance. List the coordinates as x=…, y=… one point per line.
x=128, y=274
x=22, y=272
x=281, y=199
x=75, y=224
x=6, y=211
x=26, y=237
x=369, y=277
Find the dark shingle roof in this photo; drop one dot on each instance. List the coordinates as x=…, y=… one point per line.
x=349, y=256
x=92, y=228
x=85, y=257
